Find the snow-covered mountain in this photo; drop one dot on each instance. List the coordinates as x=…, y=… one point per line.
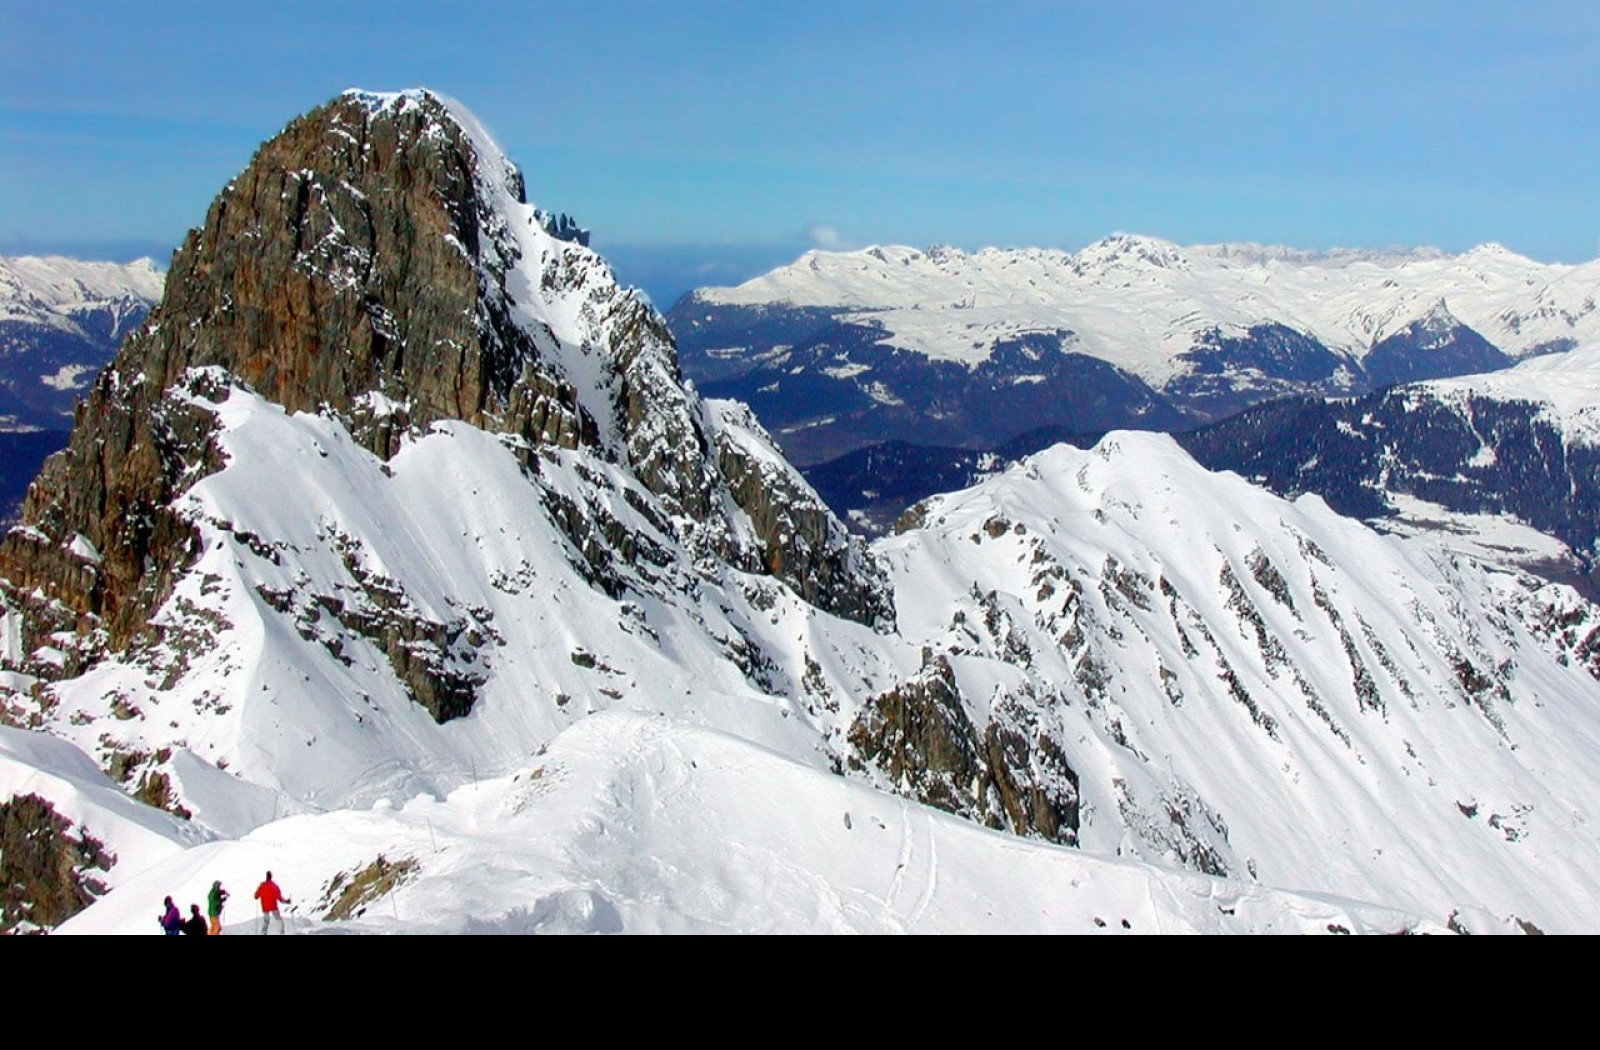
x=60, y=322
x=1250, y=661
x=395, y=524
x=1504, y=466
x=477, y=418
x=840, y=350
x=1500, y=464
x=1155, y=663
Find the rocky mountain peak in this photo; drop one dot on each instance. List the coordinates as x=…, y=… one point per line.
x=377, y=262
x=365, y=251
x=1437, y=322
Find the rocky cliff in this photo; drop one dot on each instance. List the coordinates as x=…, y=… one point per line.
x=377, y=262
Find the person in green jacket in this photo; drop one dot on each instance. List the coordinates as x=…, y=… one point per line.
x=214, y=901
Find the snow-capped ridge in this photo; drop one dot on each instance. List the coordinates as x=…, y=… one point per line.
x=1129, y=252
x=1140, y=302
x=625, y=821
x=53, y=289
x=1499, y=253
x=1178, y=601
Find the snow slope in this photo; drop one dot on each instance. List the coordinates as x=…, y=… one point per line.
x=1566, y=386
x=1243, y=687
x=135, y=834
x=257, y=671
x=1270, y=688
x=1140, y=303
x=630, y=824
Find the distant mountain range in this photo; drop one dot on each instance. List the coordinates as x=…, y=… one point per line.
x=1505, y=467
x=60, y=322
x=840, y=351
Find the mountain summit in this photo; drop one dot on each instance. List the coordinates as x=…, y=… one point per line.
x=377, y=262
x=374, y=293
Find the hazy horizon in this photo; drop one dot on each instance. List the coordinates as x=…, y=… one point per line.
x=665, y=272
x=1315, y=125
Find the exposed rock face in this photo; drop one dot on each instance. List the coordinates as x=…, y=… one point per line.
x=920, y=738
x=360, y=254
x=135, y=448
x=377, y=261
x=802, y=543
x=45, y=870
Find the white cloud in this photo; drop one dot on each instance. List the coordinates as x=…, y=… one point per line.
x=826, y=237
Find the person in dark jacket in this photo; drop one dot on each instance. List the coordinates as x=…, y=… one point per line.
x=171, y=921
x=195, y=924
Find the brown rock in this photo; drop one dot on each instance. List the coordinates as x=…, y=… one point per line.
x=359, y=267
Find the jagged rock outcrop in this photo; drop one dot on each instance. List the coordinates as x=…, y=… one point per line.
x=46, y=870
x=377, y=261
x=802, y=543
x=920, y=739
x=564, y=227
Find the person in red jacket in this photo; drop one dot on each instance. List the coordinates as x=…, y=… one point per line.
x=270, y=897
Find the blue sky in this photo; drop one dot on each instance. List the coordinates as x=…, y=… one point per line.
x=735, y=131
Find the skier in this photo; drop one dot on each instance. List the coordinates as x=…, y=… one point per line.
x=270, y=897
x=195, y=924
x=171, y=922
x=214, y=901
